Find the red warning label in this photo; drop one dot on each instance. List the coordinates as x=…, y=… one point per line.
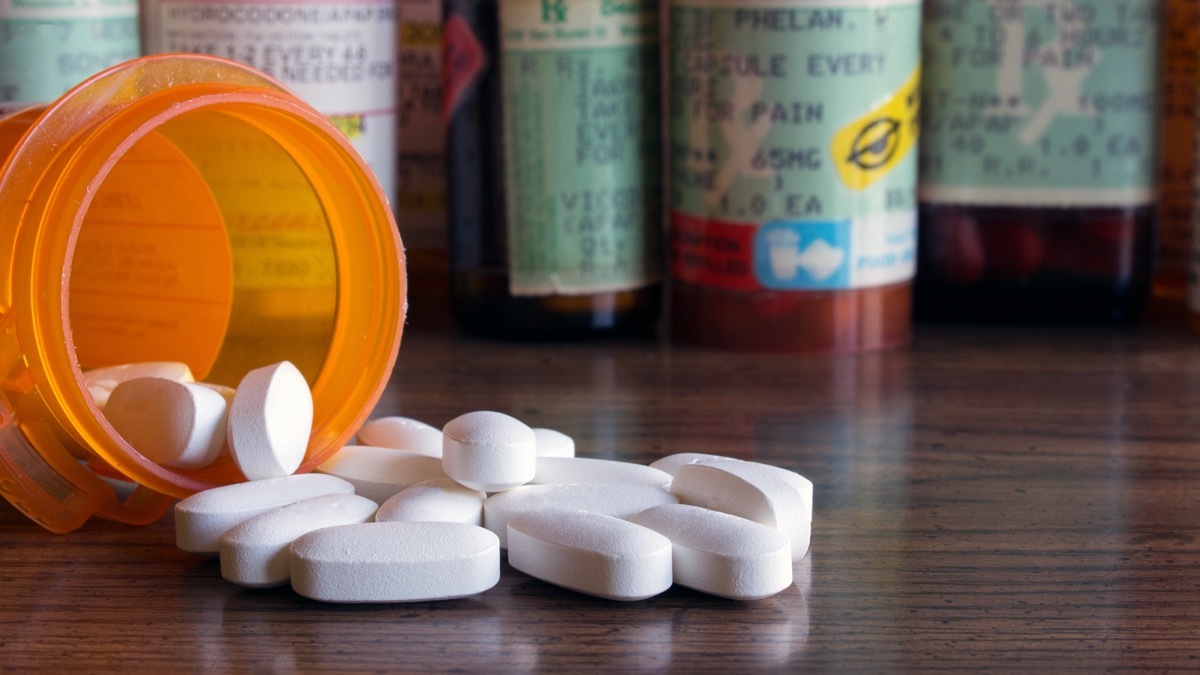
x=713, y=252
x=463, y=60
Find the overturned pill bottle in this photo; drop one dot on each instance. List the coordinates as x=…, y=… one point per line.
x=793, y=127
x=1039, y=160
x=180, y=208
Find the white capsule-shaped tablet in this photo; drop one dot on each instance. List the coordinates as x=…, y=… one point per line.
x=379, y=473
x=552, y=443
x=619, y=500
x=202, y=518
x=110, y=376
x=672, y=463
x=751, y=491
x=590, y=553
x=489, y=451
x=175, y=424
x=722, y=554
x=571, y=470
x=395, y=562
x=438, y=500
x=402, y=433
x=270, y=421
x=255, y=553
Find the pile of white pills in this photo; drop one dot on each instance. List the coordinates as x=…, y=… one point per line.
x=416, y=513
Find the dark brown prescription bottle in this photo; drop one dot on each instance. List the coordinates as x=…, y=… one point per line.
x=553, y=166
x=1039, y=160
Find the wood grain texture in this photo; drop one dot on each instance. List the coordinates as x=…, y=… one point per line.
x=985, y=499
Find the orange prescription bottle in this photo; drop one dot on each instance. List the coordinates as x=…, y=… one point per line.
x=180, y=208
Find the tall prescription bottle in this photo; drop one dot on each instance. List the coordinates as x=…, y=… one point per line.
x=339, y=56
x=554, y=166
x=1039, y=160
x=793, y=126
x=1181, y=70
x=191, y=209
x=48, y=46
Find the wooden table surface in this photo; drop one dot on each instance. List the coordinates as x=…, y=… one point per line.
x=985, y=498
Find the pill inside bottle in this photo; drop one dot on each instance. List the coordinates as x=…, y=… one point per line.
x=187, y=209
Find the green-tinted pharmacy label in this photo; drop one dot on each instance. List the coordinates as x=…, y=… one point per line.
x=793, y=131
x=49, y=46
x=1046, y=102
x=581, y=132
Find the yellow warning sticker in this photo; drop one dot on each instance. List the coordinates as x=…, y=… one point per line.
x=866, y=149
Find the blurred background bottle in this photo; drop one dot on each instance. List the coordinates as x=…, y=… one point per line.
x=793, y=128
x=47, y=47
x=1039, y=160
x=1181, y=67
x=553, y=156
x=338, y=55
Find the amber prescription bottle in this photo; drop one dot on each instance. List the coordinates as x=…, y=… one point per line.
x=553, y=154
x=1181, y=74
x=180, y=208
x=1039, y=160
x=793, y=127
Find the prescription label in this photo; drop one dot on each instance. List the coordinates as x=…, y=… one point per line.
x=340, y=57
x=793, y=130
x=582, y=144
x=49, y=46
x=1049, y=103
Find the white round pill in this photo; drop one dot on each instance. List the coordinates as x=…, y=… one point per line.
x=201, y=519
x=590, y=553
x=722, y=554
x=255, y=553
x=619, y=500
x=438, y=500
x=270, y=421
x=379, y=473
x=551, y=443
x=402, y=433
x=395, y=562
x=174, y=424
x=489, y=451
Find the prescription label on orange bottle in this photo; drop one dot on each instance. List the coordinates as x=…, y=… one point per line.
x=421, y=163
x=49, y=46
x=793, y=126
x=340, y=57
x=582, y=144
x=1047, y=102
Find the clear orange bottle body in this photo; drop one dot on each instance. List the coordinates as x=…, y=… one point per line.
x=180, y=208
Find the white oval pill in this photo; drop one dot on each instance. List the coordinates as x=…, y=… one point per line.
x=201, y=519
x=722, y=554
x=571, y=470
x=616, y=499
x=672, y=463
x=174, y=424
x=438, y=500
x=402, y=433
x=395, y=562
x=171, y=370
x=590, y=553
x=489, y=451
x=551, y=443
x=270, y=421
x=255, y=553
x=748, y=490
x=379, y=473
